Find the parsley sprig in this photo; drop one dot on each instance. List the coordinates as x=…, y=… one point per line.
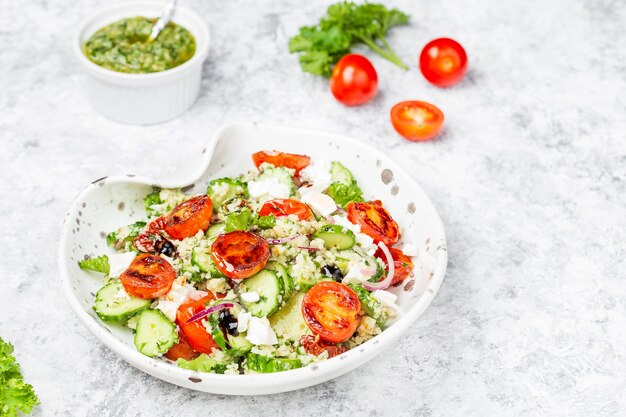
x=344, y=25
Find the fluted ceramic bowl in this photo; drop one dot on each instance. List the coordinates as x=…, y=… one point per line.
x=110, y=202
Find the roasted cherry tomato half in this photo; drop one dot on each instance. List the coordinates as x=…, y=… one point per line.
x=281, y=159
x=316, y=346
x=182, y=349
x=375, y=221
x=286, y=207
x=148, y=276
x=331, y=311
x=354, y=80
x=416, y=120
x=403, y=266
x=187, y=218
x=443, y=62
x=195, y=332
x=240, y=254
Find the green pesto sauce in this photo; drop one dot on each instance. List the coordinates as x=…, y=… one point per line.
x=122, y=46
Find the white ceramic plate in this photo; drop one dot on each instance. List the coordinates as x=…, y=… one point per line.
x=111, y=202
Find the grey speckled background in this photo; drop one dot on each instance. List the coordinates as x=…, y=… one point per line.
x=529, y=178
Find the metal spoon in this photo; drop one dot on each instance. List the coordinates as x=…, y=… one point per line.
x=166, y=16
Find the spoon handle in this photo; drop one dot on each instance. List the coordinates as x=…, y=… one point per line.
x=166, y=16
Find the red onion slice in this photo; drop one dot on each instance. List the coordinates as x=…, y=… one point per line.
x=208, y=311
x=385, y=283
x=282, y=240
x=309, y=248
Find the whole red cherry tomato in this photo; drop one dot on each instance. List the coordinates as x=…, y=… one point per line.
x=354, y=80
x=443, y=62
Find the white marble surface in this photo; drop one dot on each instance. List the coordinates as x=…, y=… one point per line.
x=529, y=178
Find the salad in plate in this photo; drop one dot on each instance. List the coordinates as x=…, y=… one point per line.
x=275, y=269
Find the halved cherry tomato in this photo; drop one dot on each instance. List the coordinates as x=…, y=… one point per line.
x=182, y=349
x=188, y=217
x=281, y=159
x=403, y=266
x=148, y=276
x=331, y=311
x=416, y=120
x=443, y=62
x=196, y=333
x=285, y=207
x=240, y=254
x=315, y=346
x=375, y=221
x=354, y=80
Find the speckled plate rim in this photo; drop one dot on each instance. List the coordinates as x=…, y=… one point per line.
x=253, y=384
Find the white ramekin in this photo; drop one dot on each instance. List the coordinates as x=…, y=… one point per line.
x=142, y=99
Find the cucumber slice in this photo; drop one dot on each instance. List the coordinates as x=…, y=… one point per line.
x=260, y=363
x=155, y=334
x=288, y=322
x=203, y=363
x=370, y=305
x=336, y=236
x=283, y=274
x=223, y=189
x=339, y=173
x=280, y=175
x=215, y=230
x=269, y=287
x=201, y=257
x=110, y=308
x=231, y=345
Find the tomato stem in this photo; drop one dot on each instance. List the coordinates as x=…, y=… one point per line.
x=387, y=53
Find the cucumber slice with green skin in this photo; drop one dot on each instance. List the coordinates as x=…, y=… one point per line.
x=260, y=363
x=155, y=333
x=339, y=173
x=231, y=345
x=335, y=236
x=201, y=257
x=269, y=286
x=283, y=274
x=215, y=230
x=288, y=322
x=370, y=305
x=280, y=175
x=223, y=189
x=110, y=308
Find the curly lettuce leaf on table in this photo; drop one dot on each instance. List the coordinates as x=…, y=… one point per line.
x=15, y=394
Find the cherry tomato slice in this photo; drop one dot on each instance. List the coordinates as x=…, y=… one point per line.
x=190, y=216
x=148, y=276
x=416, y=120
x=354, y=80
x=375, y=221
x=281, y=159
x=316, y=347
x=240, y=254
x=286, y=207
x=182, y=349
x=443, y=62
x=195, y=332
x=403, y=266
x=331, y=311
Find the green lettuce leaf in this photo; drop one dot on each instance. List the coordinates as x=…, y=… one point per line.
x=344, y=194
x=98, y=264
x=15, y=394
